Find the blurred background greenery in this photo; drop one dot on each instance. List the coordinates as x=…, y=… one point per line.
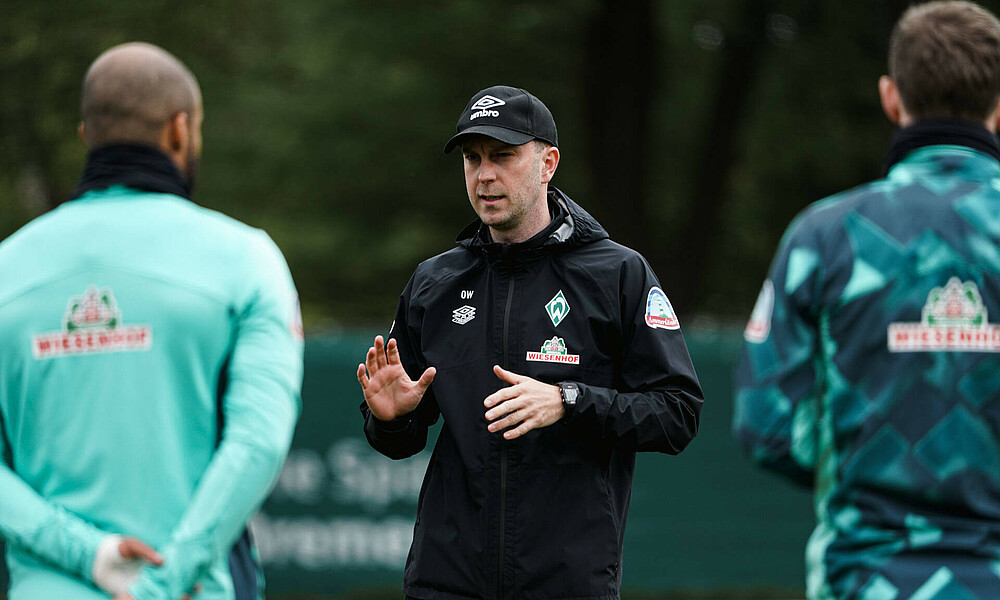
x=693, y=129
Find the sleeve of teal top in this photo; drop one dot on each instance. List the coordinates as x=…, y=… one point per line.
x=260, y=407
x=778, y=379
x=30, y=522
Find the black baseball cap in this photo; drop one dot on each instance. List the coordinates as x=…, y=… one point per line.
x=508, y=114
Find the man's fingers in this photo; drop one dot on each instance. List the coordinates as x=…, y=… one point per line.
x=500, y=396
x=518, y=431
x=425, y=379
x=363, y=377
x=504, y=408
x=370, y=362
x=505, y=375
x=392, y=352
x=134, y=548
x=380, y=352
x=508, y=414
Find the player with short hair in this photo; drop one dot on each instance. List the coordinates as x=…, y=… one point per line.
x=551, y=355
x=150, y=362
x=870, y=370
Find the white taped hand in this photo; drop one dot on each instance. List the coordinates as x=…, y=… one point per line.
x=112, y=572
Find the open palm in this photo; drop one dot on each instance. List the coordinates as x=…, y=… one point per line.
x=389, y=391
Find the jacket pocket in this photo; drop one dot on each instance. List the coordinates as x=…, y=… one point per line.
x=448, y=540
x=567, y=534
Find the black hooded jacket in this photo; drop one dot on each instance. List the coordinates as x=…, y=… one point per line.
x=541, y=516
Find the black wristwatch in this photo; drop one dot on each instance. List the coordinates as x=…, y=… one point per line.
x=570, y=392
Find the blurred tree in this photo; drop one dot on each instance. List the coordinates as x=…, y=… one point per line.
x=694, y=129
x=620, y=85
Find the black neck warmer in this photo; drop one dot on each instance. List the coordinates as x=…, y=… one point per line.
x=934, y=132
x=140, y=167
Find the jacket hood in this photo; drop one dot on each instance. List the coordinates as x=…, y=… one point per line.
x=572, y=226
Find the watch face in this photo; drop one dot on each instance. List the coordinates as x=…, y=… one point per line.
x=569, y=394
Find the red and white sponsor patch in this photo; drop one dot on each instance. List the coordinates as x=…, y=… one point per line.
x=554, y=350
x=92, y=324
x=122, y=339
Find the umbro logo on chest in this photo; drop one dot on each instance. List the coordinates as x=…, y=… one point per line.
x=465, y=313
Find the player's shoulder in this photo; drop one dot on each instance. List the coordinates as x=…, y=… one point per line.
x=829, y=214
x=602, y=257
x=443, y=267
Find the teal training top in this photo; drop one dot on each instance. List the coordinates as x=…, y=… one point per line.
x=150, y=371
x=871, y=372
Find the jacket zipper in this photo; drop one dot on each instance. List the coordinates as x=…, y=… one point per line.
x=503, y=442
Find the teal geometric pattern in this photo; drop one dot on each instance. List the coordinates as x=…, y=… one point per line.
x=901, y=444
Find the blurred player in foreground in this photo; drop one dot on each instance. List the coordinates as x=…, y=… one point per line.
x=150, y=362
x=870, y=370
x=552, y=356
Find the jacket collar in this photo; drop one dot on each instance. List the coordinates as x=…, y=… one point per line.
x=939, y=132
x=140, y=167
x=571, y=226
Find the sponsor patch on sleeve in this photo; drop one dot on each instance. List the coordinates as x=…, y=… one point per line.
x=759, y=325
x=659, y=313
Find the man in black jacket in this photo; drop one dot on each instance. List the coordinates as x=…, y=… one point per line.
x=552, y=355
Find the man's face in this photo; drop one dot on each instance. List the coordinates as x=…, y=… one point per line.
x=504, y=182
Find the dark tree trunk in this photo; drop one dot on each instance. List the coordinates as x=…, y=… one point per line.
x=620, y=88
x=688, y=279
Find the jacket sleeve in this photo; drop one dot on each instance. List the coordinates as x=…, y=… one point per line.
x=777, y=379
x=55, y=535
x=656, y=400
x=260, y=407
x=407, y=435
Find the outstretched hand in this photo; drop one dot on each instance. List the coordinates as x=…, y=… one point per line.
x=527, y=404
x=389, y=391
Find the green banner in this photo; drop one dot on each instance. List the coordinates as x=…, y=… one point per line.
x=340, y=519
x=342, y=515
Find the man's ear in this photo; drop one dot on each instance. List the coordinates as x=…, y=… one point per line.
x=993, y=121
x=892, y=104
x=81, y=130
x=179, y=133
x=550, y=161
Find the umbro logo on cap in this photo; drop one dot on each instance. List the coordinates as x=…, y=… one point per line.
x=487, y=101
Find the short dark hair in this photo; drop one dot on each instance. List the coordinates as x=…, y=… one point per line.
x=132, y=90
x=945, y=60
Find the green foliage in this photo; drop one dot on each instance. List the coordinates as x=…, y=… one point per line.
x=325, y=121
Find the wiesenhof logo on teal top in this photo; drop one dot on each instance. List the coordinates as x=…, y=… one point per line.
x=92, y=323
x=952, y=320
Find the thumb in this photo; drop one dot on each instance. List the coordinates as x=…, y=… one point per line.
x=425, y=380
x=135, y=548
x=505, y=375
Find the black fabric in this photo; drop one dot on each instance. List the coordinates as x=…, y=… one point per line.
x=244, y=569
x=133, y=165
x=560, y=531
x=936, y=132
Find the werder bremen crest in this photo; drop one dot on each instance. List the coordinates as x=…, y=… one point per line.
x=92, y=324
x=557, y=308
x=953, y=319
